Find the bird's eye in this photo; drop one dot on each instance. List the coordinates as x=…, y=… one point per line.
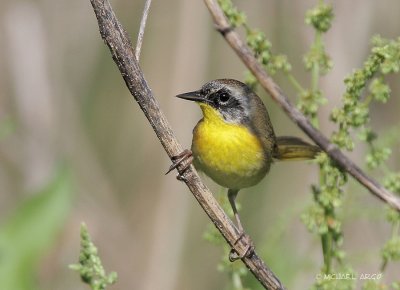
x=223, y=97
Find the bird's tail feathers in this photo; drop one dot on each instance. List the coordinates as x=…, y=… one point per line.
x=294, y=148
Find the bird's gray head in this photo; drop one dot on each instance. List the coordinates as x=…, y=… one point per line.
x=234, y=100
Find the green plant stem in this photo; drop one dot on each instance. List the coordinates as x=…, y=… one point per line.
x=297, y=86
x=315, y=70
x=395, y=229
x=383, y=266
x=237, y=281
x=326, y=240
x=368, y=100
x=246, y=27
x=315, y=77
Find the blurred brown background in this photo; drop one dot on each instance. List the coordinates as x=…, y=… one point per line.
x=62, y=100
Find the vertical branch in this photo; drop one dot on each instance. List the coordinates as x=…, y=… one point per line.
x=122, y=52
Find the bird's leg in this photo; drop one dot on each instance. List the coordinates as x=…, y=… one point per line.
x=185, y=156
x=232, y=196
x=233, y=255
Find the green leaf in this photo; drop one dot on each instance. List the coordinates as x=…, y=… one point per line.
x=30, y=231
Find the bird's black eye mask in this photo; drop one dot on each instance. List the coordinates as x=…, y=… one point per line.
x=222, y=99
x=229, y=106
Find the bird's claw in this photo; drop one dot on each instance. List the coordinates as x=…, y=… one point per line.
x=234, y=255
x=185, y=156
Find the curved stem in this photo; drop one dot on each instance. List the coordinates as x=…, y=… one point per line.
x=298, y=87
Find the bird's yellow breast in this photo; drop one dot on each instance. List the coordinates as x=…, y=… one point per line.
x=228, y=153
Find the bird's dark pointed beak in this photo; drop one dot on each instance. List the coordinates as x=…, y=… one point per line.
x=196, y=96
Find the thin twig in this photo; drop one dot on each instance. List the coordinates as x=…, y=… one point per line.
x=122, y=52
x=141, y=29
x=246, y=55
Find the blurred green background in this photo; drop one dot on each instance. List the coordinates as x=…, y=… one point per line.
x=74, y=146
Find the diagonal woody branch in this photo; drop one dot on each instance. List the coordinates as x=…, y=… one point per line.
x=123, y=54
x=246, y=55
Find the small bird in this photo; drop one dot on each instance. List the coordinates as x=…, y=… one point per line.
x=234, y=143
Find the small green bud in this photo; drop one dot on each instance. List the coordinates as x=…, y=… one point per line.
x=391, y=250
x=90, y=267
x=380, y=91
x=392, y=215
x=359, y=115
x=314, y=219
x=281, y=63
x=320, y=17
x=377, y=157
x=367, y=135
x=343, y=140
x=389, y=53
x=235, y=17
x=250, y=80
x=258, y=42
x=392, y=182
x=317, y=55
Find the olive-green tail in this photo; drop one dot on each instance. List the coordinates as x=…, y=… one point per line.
x=293, y=148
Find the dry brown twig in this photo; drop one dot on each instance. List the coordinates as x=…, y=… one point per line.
x=246, y=55
x=123, y=54
x=143, y=22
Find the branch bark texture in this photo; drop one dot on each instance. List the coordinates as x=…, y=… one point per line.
x=247, y=57
x=123, y=54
